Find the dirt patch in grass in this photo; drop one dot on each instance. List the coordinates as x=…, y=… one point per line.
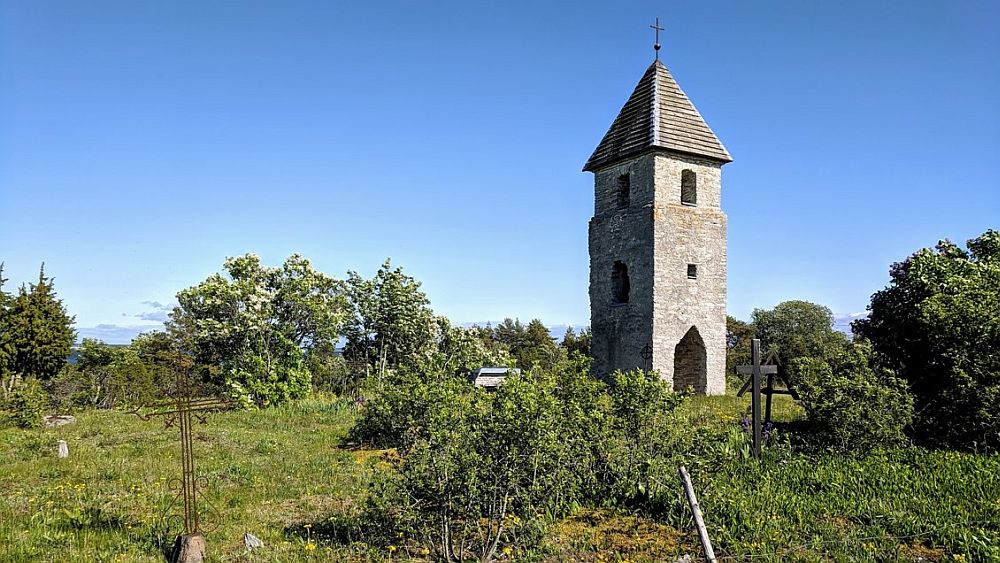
x=600, y=535
x=918, y=552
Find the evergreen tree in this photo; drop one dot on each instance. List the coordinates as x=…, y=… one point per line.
x=510, y=333
x=577, y=344
x=537, y=347
x=37, y=331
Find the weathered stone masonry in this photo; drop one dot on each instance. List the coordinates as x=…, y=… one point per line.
x=671, y=238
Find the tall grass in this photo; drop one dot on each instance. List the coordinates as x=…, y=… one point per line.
x=284, y=475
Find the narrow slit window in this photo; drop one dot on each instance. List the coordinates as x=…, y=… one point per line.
x=623, y=191
x=689, y=187
x=619, y=283
x=692, y=271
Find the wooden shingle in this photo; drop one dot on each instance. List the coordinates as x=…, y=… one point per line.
x=657, y=115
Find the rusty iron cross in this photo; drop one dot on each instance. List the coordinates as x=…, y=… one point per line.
x=182, y=411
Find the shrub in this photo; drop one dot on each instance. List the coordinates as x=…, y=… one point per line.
x=256, y=383
x=850, y=404
x=105, y=377
x=640, y=437
x=332, y=373
x=26, y=403
x=479, y=470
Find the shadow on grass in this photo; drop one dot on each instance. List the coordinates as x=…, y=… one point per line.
x=340, y=529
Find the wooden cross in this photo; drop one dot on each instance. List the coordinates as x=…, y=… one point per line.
x=773, y=373
x=658, y=29
x=183, y=410
x=755, y=370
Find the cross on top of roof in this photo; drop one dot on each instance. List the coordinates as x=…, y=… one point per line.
x=656, y=44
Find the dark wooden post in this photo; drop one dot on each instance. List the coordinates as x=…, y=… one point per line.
x=755, y=398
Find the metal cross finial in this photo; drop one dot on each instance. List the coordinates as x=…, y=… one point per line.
x=656, y=46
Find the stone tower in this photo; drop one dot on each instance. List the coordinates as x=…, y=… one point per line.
x=658, y=240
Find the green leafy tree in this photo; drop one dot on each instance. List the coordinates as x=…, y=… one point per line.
x=462, y=350
x=531, y=345
x=37, y=332
x=739, y=336
x=256, y=324
x=937, y=325
x=638, y=446
x=390, y=322
x=797, y=329
x=161, y=355
x=331, y=373
x=25, y=404
x=105, y=377
x=480, y=471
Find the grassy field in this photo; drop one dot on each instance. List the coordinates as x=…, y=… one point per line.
x=283, y=473
x=270, y=473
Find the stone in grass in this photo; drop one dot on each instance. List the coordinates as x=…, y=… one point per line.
x=251, y=541
x=188, y=549
x=54, y=420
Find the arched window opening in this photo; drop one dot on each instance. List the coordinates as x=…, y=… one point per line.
x=691, y=362
x=619, y=283
x=623, y=191
x=689, y=187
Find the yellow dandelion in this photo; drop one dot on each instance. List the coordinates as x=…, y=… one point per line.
x=310, y=546
x=425, y=551
x=392, y=548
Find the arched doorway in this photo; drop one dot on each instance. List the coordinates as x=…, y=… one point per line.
x=691, y=362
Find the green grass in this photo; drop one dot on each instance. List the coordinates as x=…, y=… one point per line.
x=283, y=474
x=268, y=473
x=907, y=504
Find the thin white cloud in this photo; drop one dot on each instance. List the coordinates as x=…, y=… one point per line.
x=160, y=316
x=115, y=334
x=842, y=321
x=158, y=312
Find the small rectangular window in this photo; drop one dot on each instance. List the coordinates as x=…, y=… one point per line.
x=693, y=271
x=689, y=187
x=624, y=189
x=619, y=283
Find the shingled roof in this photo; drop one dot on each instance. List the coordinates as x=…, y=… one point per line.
x=657, y=114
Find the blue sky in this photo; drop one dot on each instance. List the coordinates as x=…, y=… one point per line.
x=143, y=142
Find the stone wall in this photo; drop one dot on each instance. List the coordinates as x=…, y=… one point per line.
x=685, y=235
x=658, y=237
x=620, y=331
